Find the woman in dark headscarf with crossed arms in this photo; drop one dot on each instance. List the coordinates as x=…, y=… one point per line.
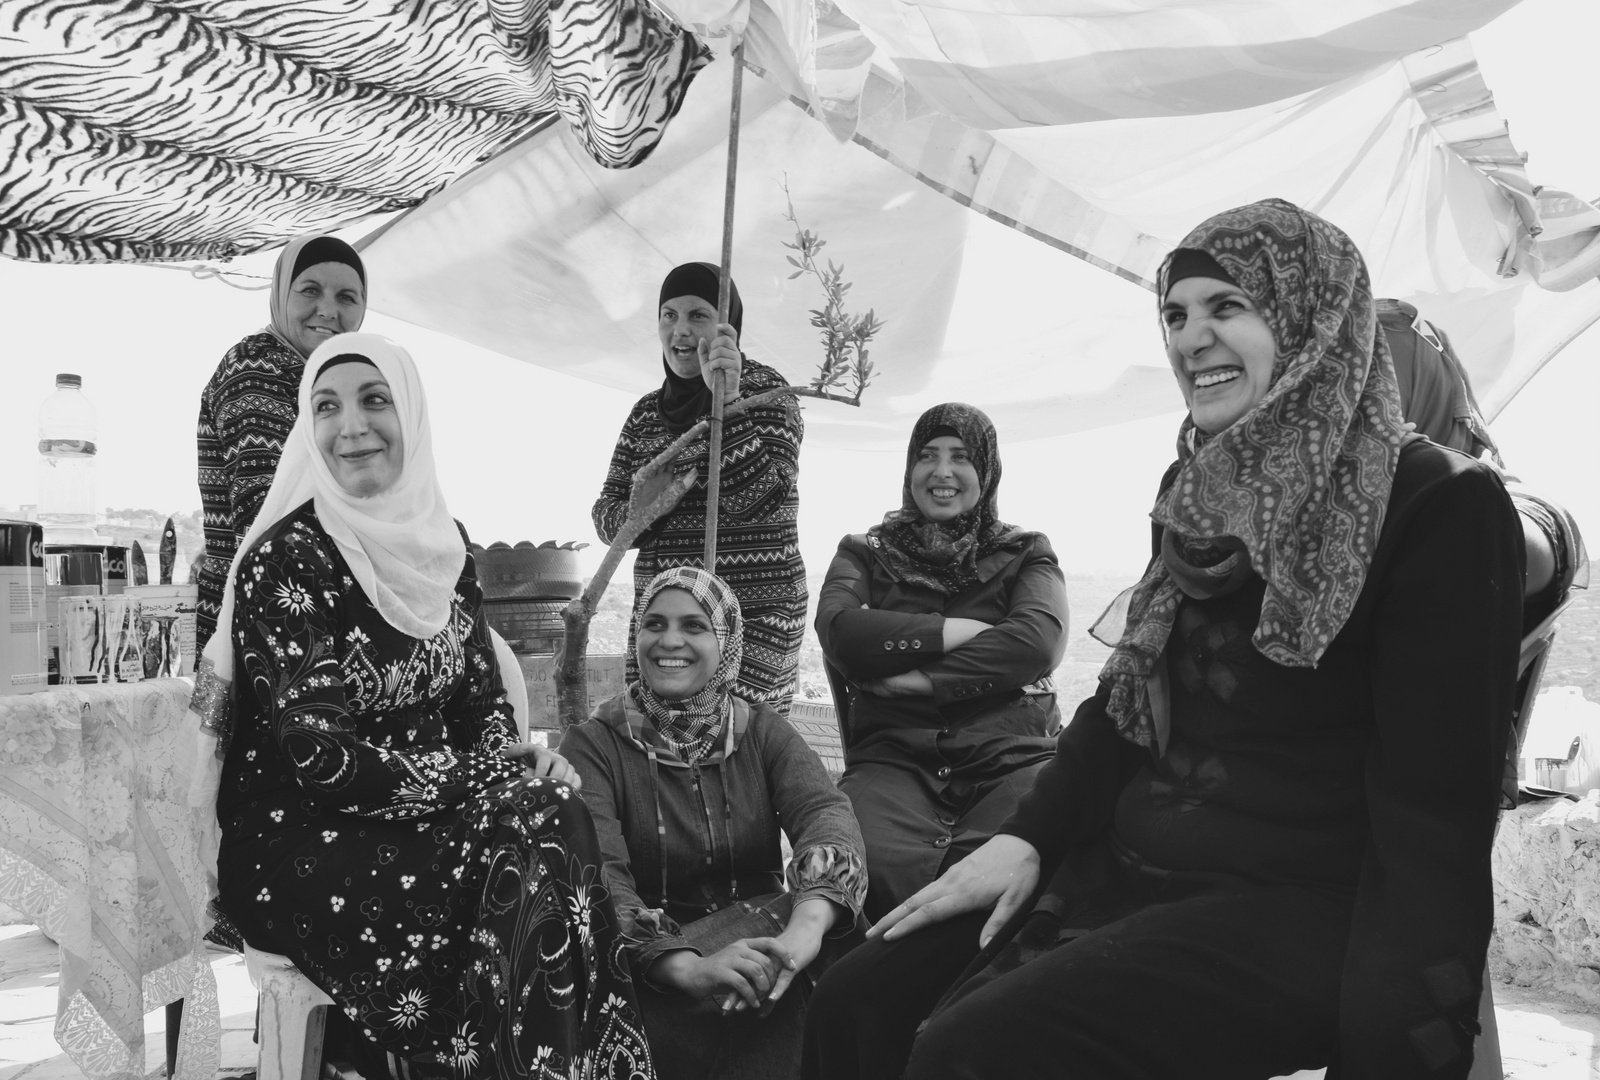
x=941, y=627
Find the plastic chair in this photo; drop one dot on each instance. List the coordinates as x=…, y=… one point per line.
x=511, y=677
x=1557, y=563
x=290, y=1018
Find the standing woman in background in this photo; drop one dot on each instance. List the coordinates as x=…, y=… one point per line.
x=319, y=288
x=758, y=539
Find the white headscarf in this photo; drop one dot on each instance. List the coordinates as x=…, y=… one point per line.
x=402, y=545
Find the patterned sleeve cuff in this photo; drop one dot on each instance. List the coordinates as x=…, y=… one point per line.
x=826, y=870
x=649, y=934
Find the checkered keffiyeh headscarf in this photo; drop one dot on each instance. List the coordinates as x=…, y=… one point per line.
x=691, y=726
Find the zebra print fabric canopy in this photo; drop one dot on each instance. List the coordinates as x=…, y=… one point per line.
x=203, y=129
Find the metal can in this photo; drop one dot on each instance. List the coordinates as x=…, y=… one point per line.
x=24, y=619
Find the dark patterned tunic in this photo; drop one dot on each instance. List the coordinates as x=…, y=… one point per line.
x=452, y=908
x=758, y=537
x=246, y=412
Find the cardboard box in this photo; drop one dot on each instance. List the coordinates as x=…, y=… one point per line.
x=606, y=679
x=175, y=601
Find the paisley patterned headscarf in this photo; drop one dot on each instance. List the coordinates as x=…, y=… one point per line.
x=691, y=726
x=1296, y=490
x=943, y=555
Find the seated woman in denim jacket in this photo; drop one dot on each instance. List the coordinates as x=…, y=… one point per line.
x=938, y=625
x=689, y=787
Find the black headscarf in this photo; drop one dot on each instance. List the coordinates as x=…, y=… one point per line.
x=685, y=400
x=944, y=555
x=328, y=249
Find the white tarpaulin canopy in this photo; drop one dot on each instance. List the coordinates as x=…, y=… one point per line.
x=1093, y=129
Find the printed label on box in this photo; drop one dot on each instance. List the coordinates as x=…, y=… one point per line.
x=606, y=679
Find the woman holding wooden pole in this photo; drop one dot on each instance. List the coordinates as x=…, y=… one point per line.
x=757, y=536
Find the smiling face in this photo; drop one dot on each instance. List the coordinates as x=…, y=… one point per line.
x=677, y=647
x=357, y=428
x=686, y=321
x=1220, y=348
x=944, y=482
x=326, y=299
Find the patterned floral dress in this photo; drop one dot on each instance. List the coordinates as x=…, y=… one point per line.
x=451, y=907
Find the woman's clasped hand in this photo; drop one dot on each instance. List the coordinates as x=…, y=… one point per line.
x=751, y=973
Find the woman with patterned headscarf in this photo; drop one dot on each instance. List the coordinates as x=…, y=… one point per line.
x=941, y=627
x=319, y=288
x=1264, y=842
x=692, y=788
x=758, y=537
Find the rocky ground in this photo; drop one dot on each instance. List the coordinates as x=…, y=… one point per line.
x=1542, y=1035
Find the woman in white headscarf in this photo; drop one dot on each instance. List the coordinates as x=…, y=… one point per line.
x=381, y=826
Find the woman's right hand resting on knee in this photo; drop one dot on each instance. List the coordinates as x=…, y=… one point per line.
x=744, y=971
x=1003, y=872
x=545, y=763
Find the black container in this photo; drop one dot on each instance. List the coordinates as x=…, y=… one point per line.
x=24, y=600
x=116, y=570
x=21, y=543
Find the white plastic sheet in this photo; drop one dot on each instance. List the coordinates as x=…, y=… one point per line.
x=542, y=257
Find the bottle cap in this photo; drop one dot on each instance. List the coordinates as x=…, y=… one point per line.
x=66, y=379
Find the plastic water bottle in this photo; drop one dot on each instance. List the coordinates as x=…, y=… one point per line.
x=66, y=464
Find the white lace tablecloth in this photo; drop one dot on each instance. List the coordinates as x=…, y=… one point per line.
x=98, y=846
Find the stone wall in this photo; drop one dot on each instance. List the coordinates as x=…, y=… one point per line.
x=1547, y=897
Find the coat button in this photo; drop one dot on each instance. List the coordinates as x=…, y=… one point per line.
x=916, y=643
x=887, y=646
x=946, y=820
x=902, y=643
x=943, y=841
x=944, y=772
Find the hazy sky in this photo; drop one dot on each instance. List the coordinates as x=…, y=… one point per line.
x=522, y=450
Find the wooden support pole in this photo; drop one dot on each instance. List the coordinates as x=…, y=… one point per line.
x=724, y=284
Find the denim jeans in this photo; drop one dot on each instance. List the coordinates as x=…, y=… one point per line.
x=695, y=1040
